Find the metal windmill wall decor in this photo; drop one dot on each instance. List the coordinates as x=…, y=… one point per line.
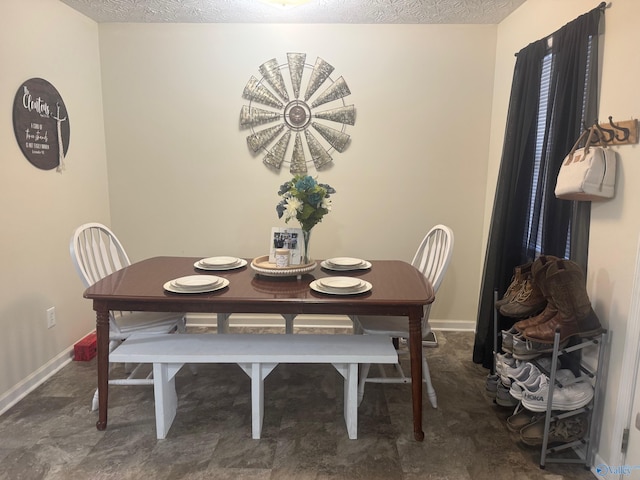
x=309, y=126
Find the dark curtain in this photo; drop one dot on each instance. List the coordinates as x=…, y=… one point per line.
x=571, y=104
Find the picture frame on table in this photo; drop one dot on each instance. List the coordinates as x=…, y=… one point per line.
x=289, y=238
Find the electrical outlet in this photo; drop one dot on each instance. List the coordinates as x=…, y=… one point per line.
x=51, y=317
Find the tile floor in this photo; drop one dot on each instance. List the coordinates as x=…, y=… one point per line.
x=51, y=435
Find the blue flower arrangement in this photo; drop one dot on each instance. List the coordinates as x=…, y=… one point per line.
x=304, y=199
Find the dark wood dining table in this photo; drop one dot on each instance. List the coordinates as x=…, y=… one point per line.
x=398, y=289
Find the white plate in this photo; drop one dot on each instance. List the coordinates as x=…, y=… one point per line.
x=219, y=261
x=340, y=283
x=170, y=287
x=240, y=263
x=330, y=266
x=326, y=288
x=366, y=286
x=196, y=282
x=345, y=262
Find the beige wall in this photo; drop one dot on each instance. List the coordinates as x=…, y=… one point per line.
x=183, y=181
x=615, y=224
x=44, y=38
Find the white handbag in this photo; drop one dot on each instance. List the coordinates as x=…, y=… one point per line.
x=587, y=173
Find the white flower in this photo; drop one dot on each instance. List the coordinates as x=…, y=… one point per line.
x=293, y=206
x=326, y=203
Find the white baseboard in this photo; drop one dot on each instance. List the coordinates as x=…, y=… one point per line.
x=312, y=321
x=23, y=388
x=453, y=325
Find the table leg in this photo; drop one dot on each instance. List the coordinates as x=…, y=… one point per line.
x=415, y=352
x=102, y=331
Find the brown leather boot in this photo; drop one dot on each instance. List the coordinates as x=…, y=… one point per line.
x=566, y=283
x=539, y=273
x=517, y=282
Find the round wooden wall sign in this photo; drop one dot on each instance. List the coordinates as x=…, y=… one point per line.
x=41, y=124
x=306, y=123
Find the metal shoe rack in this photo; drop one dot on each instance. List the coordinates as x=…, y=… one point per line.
x=583, y=447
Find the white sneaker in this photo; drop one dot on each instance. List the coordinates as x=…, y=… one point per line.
x=527, y=377
x=523, y=370
x=524, y=349
x=520, y=375
x=507, y=372
x=569, y=397
x=505, y=361
x=518, y=386
x=507, y=339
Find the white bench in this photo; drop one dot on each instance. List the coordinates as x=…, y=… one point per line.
x=257, y=355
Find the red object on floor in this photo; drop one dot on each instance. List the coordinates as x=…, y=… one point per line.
x=86, y=348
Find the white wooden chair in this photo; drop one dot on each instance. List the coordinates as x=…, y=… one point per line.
x=432, y=259
x=96, y=252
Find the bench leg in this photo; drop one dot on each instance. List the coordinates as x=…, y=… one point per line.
x=223, y=322
x=350, y=373
x=288, y=322
x=166, y=398
x=257, y=372
x=364, y=373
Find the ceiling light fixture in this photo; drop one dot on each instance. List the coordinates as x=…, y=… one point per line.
x=286, y=3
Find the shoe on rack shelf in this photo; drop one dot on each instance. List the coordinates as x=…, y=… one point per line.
x=519, y=274
x=491, y=385
x=505, y=361
x=524, y=417
x=507, y=339
x=521, y=370
x=519, y=386
x=503, y=398
x=529, y=301
x=539, y=272
x=568, y=397
x=524, y=349
x=565, y=282
x=564, y=430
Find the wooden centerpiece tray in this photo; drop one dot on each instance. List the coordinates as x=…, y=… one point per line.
x=262, y=266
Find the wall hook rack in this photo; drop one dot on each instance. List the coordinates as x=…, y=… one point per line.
x=617, y=133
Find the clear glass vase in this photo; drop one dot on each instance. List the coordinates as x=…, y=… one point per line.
x=306, y=236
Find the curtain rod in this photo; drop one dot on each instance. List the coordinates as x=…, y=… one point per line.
x=603, y=6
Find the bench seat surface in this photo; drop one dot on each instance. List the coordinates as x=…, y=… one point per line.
x=243, y=348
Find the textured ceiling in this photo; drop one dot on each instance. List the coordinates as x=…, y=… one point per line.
x=316, y=11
